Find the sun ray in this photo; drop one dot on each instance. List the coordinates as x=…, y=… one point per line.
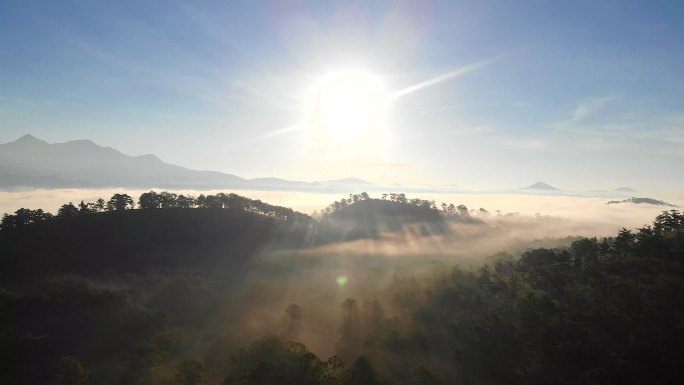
x=344, y=105
x=281, y=131
x=441, y=78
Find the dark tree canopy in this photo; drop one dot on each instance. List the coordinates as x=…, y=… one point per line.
x=67, y=211
x=179, y=294
x=119, y=202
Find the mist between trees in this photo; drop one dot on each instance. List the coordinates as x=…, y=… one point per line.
x=372, y=291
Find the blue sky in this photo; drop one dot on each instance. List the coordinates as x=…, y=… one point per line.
x=581, y=94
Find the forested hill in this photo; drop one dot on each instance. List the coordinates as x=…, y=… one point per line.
x=173, y=297
x=372, y=217
x=139, y=240
x=367, y=217
x=167, y=232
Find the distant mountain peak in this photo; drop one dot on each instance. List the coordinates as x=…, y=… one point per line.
x=83, y=141
x=33, y=163
x=540, y=186
x=148, y=157
x=29, y=139
x=350, y=180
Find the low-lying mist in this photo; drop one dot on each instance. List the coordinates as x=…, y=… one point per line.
x=582, y=215
x=349, y=282
x=377, y=269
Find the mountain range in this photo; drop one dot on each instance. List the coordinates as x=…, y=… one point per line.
x=30, y=162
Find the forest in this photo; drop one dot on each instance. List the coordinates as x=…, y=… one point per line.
x=223, y=289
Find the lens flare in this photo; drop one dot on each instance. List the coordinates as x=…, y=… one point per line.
x=342, y=280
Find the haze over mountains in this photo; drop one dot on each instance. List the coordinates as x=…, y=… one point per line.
x=30, y=163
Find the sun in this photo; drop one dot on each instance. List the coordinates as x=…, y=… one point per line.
x=347, y=109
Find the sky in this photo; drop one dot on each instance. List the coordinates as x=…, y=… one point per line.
x=480, y=94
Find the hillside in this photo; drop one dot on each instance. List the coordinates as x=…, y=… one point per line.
x=31, y=162
x=648, y=201
x=159, y=295
x=140, y=241
x=374, y=216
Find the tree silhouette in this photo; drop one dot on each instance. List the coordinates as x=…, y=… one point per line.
x=168, y=200
x=120, y=202
x=350, y=341
x=23, y=217
x=462, y=210
x=149, y=200
x=623, y=242
x=86, y=208
x=586, y=250
x=294, y=317
x=100, y=205
x=185, y=202
x=67, y=210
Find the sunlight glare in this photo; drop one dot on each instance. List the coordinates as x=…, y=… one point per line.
x=346, y=112
x=347, y=108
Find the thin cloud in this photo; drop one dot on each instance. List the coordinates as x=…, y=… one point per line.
x=590, y=107
x=674, y=129
x=262, y=94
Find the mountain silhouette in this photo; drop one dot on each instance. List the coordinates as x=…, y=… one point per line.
x=625, y=189
x=30, y=162
x=540, y=186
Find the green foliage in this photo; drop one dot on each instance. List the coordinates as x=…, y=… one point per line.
x=190, y=372
x=274, y=361
x=159, y=349
x=154, y=200
x=393, y=197
x=369, y=218
x=363, y=373
x=591, y=314
x=159, y=281
x=424, y=376
x=62, y=317
x=70, y=371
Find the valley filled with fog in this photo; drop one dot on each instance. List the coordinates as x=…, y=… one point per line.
x=225, y=288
